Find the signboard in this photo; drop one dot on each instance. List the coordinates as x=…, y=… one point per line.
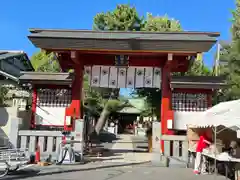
x=121, y=76
x=121, y=61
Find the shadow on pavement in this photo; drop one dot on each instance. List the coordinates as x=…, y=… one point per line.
x=103, y=137
x=22, y=174
x=143, y=147
x=108, y=152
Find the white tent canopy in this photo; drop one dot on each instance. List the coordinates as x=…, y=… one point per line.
x=226, y=114
x=223, y=114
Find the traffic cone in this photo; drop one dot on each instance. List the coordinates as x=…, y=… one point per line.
x=37, y=155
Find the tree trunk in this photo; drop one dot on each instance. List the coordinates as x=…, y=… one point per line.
x=102, y=120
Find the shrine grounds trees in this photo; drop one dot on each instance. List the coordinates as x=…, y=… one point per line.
x=122, y=18
x=96, y=105
x=231, y=57
x=233, y=77
x=43, y=62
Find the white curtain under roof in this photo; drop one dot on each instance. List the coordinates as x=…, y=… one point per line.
x=225, y=113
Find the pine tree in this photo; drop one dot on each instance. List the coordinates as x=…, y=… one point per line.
x=232, y=69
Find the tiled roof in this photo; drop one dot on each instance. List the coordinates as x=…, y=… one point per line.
x=43, y=77
x=50, y=39
x=7, y=54
x=10, y=57
x=198, y=82
x=143, y=35
x=130, y=110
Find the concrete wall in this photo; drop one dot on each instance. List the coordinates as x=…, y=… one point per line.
x=183, y=118
x=50, y=116
x=11, y=116
x=5, y=122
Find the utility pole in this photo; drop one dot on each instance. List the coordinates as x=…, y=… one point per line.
x=217, y=69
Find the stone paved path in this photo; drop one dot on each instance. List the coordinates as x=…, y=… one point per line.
x=129, y=149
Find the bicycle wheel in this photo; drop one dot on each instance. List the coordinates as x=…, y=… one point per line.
x=4, y=169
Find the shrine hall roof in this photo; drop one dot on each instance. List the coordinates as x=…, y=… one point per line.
x=193, y=82
x=46, y=78
x=57, y=39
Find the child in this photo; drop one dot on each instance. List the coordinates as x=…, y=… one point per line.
x=199, y=161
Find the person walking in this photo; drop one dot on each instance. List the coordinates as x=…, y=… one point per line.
x=200, y=161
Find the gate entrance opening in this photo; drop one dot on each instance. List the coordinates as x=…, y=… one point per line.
x=123, y=76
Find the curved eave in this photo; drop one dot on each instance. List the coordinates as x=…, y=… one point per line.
x=123, y=41
x=213, y=86
x=46, y=82
x=198, y=82
x=42, y=78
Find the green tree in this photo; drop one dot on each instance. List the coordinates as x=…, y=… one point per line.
x=161, y=24
x=198, y=68
x=234, y=56
x=3, y=93
x=96, y=105
x=92, y=99
x=45, y=62
x=122, y=18
x=230, y=60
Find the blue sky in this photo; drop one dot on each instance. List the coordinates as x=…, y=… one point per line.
x=16, y=17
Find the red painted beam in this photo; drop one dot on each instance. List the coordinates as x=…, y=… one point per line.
x=179, y=63
x=114, y=52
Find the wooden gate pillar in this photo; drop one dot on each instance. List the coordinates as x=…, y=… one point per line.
x=34, y=107
x=166, y=104
x=74, y=110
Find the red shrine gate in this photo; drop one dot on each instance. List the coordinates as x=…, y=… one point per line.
x=171, y=52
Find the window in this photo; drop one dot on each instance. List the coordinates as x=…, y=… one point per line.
x=189, y=102
x=54, y=97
